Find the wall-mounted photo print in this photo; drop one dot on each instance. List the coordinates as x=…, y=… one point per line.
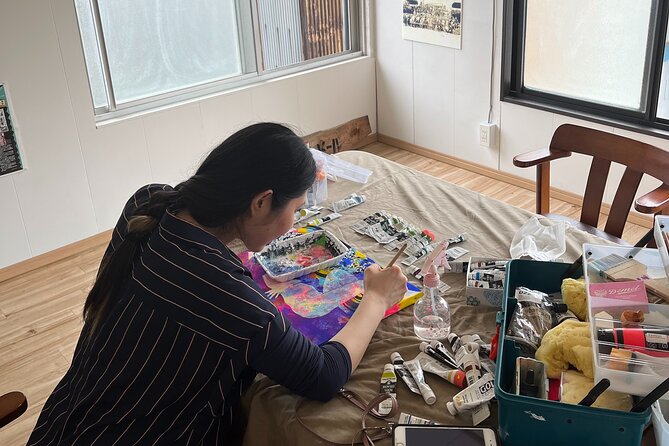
x=10, y=159
x=438, y=22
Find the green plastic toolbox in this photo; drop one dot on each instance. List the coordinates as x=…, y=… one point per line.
x=527, y=421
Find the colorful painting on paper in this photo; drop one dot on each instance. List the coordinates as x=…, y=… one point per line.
x=319, y=304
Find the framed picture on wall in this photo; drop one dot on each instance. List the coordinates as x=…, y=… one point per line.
x=438, y=22
x=10, y=159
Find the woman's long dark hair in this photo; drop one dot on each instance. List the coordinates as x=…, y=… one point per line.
x=257, y=158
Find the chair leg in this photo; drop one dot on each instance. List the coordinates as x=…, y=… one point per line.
x=543, y=188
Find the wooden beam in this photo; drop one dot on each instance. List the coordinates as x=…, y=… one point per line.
x=351, y=135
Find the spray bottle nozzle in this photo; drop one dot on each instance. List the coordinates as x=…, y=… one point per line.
x=436, y=258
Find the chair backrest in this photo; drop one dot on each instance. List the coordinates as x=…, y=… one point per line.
x=638, y=157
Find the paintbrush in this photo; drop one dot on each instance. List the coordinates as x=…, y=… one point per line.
x=594, y=393
x=653, y=396
x=397, y=256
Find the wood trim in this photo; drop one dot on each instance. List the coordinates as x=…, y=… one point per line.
x=52, y=256
x=559, y=194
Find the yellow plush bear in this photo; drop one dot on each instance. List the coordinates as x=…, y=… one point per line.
x=568, y=343
x=573, y=294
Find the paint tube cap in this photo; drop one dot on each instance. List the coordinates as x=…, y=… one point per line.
x=396, y=357
x=428, y=396
x=451, y=408
x=424, y=346
x=388, y=368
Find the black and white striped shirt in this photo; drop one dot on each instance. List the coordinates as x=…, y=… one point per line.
x=178, y=346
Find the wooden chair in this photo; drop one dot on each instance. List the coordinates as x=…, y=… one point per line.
x=12, y=406
x=639, y=158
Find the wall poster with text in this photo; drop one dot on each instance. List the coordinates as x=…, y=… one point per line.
x=10, y=159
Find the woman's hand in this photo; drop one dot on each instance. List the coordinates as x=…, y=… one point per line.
x=385, y=285
x=383, y=289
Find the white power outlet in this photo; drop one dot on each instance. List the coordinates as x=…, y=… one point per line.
x=488, y=135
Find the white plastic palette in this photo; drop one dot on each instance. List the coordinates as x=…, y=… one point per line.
x=282, y=260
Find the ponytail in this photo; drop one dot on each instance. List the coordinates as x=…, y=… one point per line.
x=115, y=269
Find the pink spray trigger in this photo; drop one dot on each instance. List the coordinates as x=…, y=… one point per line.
x=435, y=259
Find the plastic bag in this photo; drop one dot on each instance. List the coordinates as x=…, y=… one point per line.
x=541, y=240
x=339, y=168
x=328, y=166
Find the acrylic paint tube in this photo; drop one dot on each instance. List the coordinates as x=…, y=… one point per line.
x=457, y=267
x=430, y=350
x=403, y=373
x=431, y=365
x=443, y=351
x=483, y=347
x=388, y=385
x=486, y=275
x=468, y=360
x=457, y=239
x=348, y=202
x=473, y=396
x=416, y=371
x=651, y=341
x=406, y=418
x=326, y=219
x=489, y=264
x=454, y=341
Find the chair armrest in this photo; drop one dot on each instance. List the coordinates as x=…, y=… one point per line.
x=535, y=157
x=12, y=405
x=654, y=201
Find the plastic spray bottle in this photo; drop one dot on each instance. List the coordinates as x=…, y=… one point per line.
x=431, y=315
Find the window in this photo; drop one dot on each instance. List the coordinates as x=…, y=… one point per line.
x=602, y=60
x=143, y=54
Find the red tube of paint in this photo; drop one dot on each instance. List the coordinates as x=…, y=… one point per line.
x=651, y=341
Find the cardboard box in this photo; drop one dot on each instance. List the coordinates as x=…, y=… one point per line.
x=489, y=297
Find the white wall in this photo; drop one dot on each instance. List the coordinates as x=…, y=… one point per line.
x=435, y=97
x=79, y=176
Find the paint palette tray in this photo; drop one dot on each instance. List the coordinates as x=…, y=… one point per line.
x=287, y=259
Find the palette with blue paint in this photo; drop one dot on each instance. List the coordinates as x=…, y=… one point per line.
x=287, y=259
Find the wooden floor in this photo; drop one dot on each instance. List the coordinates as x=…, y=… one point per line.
x=40, y=311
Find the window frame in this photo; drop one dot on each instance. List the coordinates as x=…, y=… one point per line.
x=251, y=63
x=513, y=91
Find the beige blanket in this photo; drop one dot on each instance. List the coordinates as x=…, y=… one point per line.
x=429, y=203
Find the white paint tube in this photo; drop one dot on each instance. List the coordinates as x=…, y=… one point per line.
x=454, y=341
x=348, y=202
x=416, y=371
x=388, y=385
x=402, y=372
x=468, y=360
x=431, y=365
x=474, y=396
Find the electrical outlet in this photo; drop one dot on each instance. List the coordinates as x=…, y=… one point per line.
x=488, y=135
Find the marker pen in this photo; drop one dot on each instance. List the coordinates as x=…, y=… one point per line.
x=652, y=341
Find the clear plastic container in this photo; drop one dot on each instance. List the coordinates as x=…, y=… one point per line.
x=660, y=424
x=662, y=225
x=630, y=337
